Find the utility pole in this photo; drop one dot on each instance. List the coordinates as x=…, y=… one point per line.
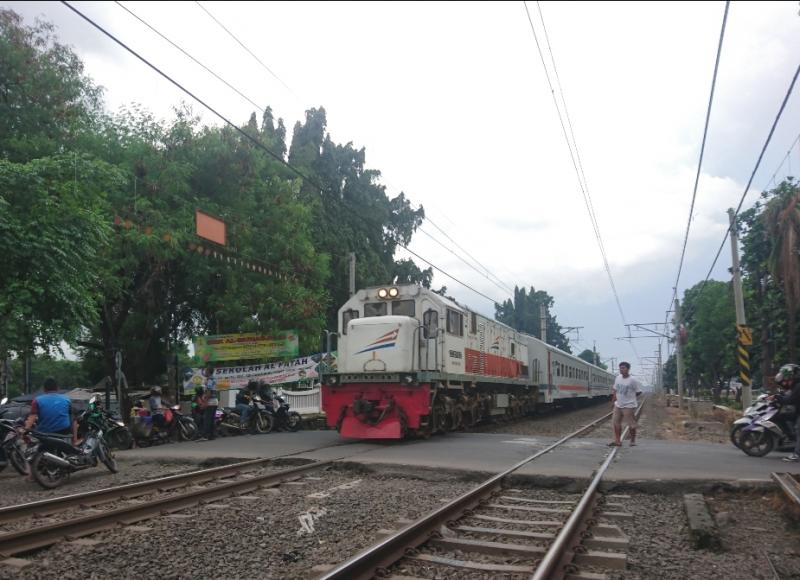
x=660, y=381
x=594, y=351
x=543, y=322
x=744, y=334
x=352, y=273
x=679, y=351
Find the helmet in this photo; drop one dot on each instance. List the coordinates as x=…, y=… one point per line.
x=788, y=372
x=156, y=390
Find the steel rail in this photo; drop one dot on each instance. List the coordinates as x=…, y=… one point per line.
x=789, y=485
x=560, y=553
x=57, y=504
x=386, y=552
x=42, y=536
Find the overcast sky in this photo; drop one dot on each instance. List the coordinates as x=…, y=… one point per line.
x=452, y=104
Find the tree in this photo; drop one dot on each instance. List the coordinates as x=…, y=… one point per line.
x=523, y=315
x=589, y=356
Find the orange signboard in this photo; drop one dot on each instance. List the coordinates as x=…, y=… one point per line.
x=209, y=227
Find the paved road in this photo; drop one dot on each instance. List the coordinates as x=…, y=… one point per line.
x=650, y=460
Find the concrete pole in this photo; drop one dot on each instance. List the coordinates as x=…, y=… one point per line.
x=352, y=273
x=738, y=298
x=543, y=322
x=660, y=380
x=679, y=351
x=594, y=350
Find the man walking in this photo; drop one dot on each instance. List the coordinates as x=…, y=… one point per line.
x=624, y=401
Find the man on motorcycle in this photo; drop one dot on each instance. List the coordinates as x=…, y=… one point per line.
x=157, y=409
x=788, y=377
x=52, y=413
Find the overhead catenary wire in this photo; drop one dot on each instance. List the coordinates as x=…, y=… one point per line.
x=702, y=152
x=576, y=163
x=250, y=52
x=750, y=181
x=247, y=136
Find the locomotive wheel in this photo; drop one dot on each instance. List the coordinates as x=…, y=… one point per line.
x=456, y=418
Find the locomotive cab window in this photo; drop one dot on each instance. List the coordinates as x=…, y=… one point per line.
x=347, y=316
x=430, y=324
x=374, y=309
x=403, y=308
x=455, y=323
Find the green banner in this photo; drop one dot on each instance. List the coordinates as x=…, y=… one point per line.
x=249, y=346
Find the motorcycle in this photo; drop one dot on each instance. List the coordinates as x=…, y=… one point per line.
x=12, y=447
x=772, y=430
x=177, y=426
x=260, y=419
x=53, y=459
x=116, y=433
x=283, y=417
x=757, y=409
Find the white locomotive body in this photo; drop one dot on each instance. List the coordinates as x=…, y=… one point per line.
x=414, y=362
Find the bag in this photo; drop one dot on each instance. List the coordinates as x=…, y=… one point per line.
x=167, y=416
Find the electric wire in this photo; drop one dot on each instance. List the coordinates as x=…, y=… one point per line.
x=193, y=59
x=749, y=181
x=250, y=138
x=250, y=52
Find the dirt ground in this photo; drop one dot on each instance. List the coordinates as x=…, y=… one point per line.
x=698, y=421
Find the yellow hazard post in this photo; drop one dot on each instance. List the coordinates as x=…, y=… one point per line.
x=744, y=339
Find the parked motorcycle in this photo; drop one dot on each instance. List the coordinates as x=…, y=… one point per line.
x=12, y=447
x=772, y=430
x=177, y=426
x=757, y=409
x=114, y=430
x=283, y=417
x=54, y=459
x=260, y=419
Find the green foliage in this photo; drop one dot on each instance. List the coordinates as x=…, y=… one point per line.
x=68, y=373
x=710, y=320
x=53, y=227
x=589, y=356
x=47, y=104
x=523, y=315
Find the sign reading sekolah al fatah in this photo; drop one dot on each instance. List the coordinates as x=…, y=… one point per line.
x=225, y=347
x=270, y=373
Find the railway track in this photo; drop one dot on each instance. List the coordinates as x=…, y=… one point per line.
x=568, y=534
x=201, y=487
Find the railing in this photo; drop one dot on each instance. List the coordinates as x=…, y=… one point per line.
x=304, y=402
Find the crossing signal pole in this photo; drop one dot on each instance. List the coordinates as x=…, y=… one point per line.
x=744, y=335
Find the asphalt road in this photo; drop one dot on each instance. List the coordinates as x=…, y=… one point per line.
x=650, y=460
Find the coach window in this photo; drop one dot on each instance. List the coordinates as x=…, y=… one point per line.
x=374, y=309
x=455, y=323
x=513, y=349
x=430, y=324
x=473, y=322
x=403, y=308
x=347, y=316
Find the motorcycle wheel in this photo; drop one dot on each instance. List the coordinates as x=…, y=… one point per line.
x=47, y=475
x=17, y=461
x=756, y=444
x=263, y=423
x=119, y=438
x=736, y=435
x=294, y=421
x=187, y=429
x=107, y=457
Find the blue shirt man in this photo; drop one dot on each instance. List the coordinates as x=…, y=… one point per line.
x=52, y=413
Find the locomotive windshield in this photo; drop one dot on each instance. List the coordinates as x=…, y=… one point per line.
x=374, y=309
x=403, y=308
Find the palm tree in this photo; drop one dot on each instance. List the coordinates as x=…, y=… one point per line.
x=782, y=221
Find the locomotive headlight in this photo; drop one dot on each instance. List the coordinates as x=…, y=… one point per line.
x=393, y=292
x=383, y=293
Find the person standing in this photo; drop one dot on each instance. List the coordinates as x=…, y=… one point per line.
x=211, y=403
x=624, y=401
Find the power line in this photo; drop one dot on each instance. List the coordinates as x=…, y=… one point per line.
x=576, y=164
x=249, y=137
x=250, y=52
x=586, y=198
x=750, y=181
x=197, y=62
x=702, y=150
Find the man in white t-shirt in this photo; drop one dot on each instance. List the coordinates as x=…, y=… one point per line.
x=624, y=400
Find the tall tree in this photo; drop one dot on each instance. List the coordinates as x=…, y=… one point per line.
x=523, y=314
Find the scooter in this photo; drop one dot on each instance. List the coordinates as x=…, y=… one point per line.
x=757, y=409
x=260, y=419
x=53, y=459
x=177, y=425
x=772, y=430
x=284, y=418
